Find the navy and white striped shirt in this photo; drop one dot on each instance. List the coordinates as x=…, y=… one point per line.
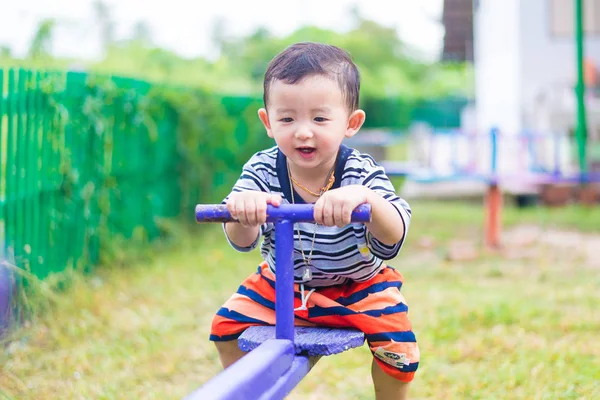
x=340, y=255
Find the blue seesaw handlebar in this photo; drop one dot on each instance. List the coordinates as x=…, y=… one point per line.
x=290, y=212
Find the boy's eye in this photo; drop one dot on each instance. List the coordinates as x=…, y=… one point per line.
x=320, y=119
x=287, y=119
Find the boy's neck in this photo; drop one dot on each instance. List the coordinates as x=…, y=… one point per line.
x=314, y=178
x=311, y=176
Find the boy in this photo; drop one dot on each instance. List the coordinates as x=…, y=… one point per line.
x=311, y=95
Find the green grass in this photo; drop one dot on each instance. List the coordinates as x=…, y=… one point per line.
x=493, y=328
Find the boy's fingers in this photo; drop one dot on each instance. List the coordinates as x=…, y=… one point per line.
x=274, y=199
x=328, y=212
x=336, y=215
x=241, y=213
x=231, y=208
x=318, y=211
x=345, y=214
x=261, y=212
x=250, y=210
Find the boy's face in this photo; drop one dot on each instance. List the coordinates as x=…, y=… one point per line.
x=309, y=120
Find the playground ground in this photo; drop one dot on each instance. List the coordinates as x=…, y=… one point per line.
x=522, y=323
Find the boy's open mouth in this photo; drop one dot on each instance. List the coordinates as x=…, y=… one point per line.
x=306, y=150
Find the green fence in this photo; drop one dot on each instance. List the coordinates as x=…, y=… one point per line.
x=79, y=165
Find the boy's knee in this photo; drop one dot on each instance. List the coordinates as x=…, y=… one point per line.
x=229, y=346
x=229, y=352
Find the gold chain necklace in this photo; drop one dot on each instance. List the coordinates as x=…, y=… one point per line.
x=325, y=188
x=307, y=274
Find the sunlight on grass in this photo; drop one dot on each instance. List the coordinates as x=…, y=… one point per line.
x=523, y=328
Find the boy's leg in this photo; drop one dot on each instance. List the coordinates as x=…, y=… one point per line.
x=252, y=304
x=393, y=344
x=229, y=352
x=387, y=387
x=237, y=314
x=377, y=308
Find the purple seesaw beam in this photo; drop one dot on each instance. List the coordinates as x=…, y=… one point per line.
x=272, y=370
x=290, y=212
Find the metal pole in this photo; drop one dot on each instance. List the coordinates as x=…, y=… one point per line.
x=494, y=154
x=284, y=284
x=580, y=90
x=493, y=198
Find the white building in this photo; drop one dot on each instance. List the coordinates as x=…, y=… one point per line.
x=526, y=68
x=525, y=52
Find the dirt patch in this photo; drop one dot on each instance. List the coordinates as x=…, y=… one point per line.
x=523, y=242
x=532, y=241
x=562, y=194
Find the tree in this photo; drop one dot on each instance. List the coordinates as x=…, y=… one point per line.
x=5, y=52
x=219, y=34
x=105, y=22
x=42, y=40
x=142, y=33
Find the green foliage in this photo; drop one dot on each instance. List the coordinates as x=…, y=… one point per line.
x=388, y=66
x=396, y=82
x=396, y=87
x=215, y=137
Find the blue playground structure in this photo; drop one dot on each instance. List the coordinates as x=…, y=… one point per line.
x=527, y=157
x=278, y=356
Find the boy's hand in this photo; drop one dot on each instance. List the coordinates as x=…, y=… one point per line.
x=334, y=208
x=250, y=208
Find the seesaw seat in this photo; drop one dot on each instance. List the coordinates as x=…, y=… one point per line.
x=313, y=341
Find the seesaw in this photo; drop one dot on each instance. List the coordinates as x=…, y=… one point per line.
x=278, y=356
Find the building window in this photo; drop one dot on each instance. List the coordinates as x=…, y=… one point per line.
x=562, y=17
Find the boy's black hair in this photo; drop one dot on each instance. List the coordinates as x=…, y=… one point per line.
x=307, y=58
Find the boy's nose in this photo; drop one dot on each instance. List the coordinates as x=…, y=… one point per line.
x=303, y=133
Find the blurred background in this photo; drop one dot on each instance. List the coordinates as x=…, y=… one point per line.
x=118, y=117
x=224, y=45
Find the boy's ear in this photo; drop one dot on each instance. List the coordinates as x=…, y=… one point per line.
x=356, y=120
x=264, y=118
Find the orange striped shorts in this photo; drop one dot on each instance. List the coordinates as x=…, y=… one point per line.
x=375, y=307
